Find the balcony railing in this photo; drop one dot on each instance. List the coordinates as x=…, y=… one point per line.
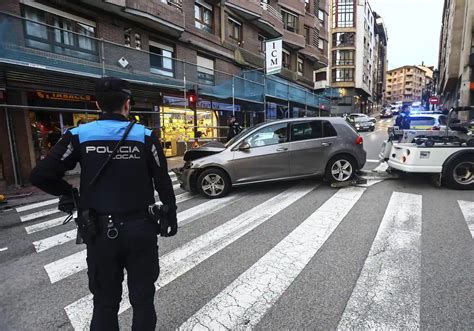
x=94, y=57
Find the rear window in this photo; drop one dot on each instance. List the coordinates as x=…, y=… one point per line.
x=422, y=121
x=328, y=130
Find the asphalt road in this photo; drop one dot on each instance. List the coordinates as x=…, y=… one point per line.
x=395, y=254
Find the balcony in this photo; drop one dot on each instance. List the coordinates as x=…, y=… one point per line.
x=322, y=84
x=314, y=54
x=271, y=21
x=294, y=40
x=248, y=9
x=165, y=16
x=296, y=6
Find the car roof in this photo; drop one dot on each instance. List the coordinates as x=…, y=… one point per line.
x=307, y=119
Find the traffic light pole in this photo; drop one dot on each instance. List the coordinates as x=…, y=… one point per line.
x=195, y=120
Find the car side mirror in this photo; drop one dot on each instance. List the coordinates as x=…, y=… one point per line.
x=245, y=146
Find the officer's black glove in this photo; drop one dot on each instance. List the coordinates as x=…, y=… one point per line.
x=66, y=203
x=168, y=222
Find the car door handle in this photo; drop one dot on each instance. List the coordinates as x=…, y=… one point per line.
x=326, y=144
x=282, y=149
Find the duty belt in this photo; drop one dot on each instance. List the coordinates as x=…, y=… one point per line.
x=109, y=221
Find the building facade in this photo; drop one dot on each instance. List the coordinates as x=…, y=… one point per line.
x=51, y=53
x=456, y=55
x=352, y=60
x=405, y=84
x=381, y=61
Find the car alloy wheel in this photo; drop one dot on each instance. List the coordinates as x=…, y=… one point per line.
x=213, y=185
x=463, y=173
x=341, y=170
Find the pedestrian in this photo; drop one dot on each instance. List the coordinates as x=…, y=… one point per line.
x=115, y=195
x=403, y=120
x=234, y=128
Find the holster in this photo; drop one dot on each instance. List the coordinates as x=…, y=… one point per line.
x=86, y=221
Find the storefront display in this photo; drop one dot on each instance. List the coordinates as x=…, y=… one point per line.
x=178, y=130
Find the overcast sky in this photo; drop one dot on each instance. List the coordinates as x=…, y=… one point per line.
x=413, y=28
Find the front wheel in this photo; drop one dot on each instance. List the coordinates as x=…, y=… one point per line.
x=459, y=173
x=340, y=169
x=213, y=183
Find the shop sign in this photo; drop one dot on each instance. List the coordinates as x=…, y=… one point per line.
x=273, y=56
x=63, y=96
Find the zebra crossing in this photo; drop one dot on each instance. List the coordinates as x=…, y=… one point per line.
x=392, y=266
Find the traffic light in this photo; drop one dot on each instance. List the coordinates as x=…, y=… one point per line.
x=192, y=99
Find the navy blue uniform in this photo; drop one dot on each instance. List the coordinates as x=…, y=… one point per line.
x=123, y=194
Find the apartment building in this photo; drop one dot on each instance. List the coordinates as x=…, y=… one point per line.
x=51, y=52
x=380, y=60
x=352, y=55
x=405, y=84
x=456, y=54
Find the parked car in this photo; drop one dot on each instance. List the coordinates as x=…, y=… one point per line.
x=361, y=122
x=386, y=113
x=425, y=121
x=280, y=150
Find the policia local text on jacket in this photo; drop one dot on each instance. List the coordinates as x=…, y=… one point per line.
x=120, y=197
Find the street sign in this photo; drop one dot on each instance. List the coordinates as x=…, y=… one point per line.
x=434, y=100
x=273, y=56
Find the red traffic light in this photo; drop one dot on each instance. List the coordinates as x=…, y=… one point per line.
x=192, y=98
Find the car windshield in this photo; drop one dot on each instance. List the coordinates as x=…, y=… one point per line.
x=237, y=137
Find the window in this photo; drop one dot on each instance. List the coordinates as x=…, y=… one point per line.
x=235, y=29
x=307, y=35
x=343, y=57
x=271, y=135
x=261, y=43
x=321, y=44
x=138, y=41
x=204, y=16
x=329, y=130
x=307, y=6
x=70, y=35
x=286, y=63
x=321, y=15
x=343, y=39
x=343, y=14
x=205, y=70
x=306, y=131
x=342, y=75
x=290, y=21
x=300, y=66
x=127, y=38
x=161, y=59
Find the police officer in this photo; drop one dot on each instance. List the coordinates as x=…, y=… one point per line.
x=119, y=199
x=234, y=128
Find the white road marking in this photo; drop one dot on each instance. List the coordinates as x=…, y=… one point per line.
x=39, y=214
x=72, y=264
x=3, y=249
x=37, y=205
x=467, y=208
x=59, y=239
x=184, y=217
x=45, y=225
x=184, y=197
x=246, y=300
x=67, y=266
x=188, y=256
x=176, y=186
x=387, y=293
x=372, y=161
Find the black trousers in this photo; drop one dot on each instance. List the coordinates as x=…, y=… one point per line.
x=135, y=250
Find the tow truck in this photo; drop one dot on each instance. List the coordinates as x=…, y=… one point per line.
x=447, y=154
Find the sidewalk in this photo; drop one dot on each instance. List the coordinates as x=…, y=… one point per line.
x=34, y=194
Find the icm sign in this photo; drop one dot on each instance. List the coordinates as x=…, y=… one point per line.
x=273, y=56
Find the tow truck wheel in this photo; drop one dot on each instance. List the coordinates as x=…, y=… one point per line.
x=459, y=173
x=429, y=143
x=213, y=183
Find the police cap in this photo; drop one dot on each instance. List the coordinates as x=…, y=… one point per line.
x=112, y=84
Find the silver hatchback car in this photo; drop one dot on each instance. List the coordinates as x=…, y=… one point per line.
x=280, y=150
